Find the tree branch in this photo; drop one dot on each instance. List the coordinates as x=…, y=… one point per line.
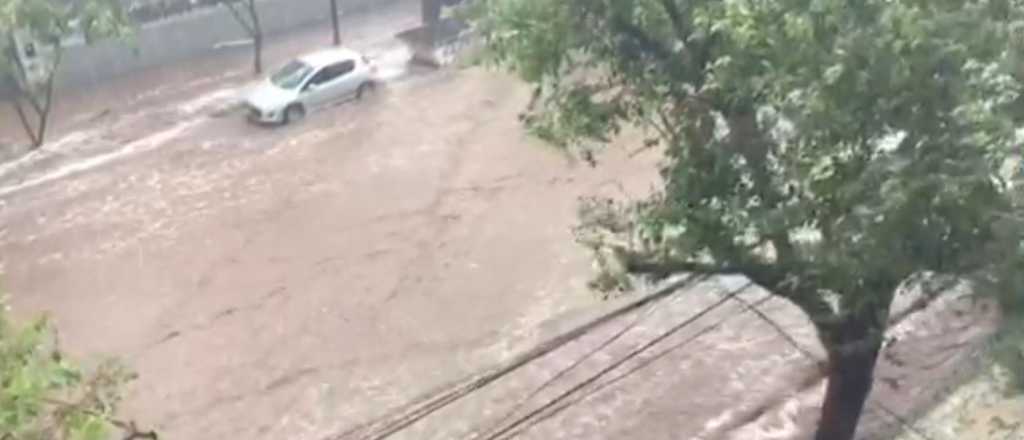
x=661, y=269
x=232, y=7
x=131, y=431
x=778, y=281
x=47, y=107
x=23, y=118
x=254, y=15
x=645, y=42
x=822, y=315
x=676, y=17
x=674, y=62
x=21, y=81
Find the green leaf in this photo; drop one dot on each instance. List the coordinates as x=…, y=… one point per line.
x=42, y=393
x=89, y=428
x=840, y=78
x=833, y=73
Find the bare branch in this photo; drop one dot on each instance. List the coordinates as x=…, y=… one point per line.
x=645, y=42
x=237, y=14
x=130, y=429
x=254, y=15
x=21, y=81
x=661, y=269
x=672, y=61
x=676, y=17
x=23, y=118
x=47, y=105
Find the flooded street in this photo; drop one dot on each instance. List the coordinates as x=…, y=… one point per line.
x=296, y=282
x=242, y=269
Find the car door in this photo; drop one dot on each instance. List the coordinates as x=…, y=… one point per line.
x=331, y=83
x=343, y=82
x=315, y=92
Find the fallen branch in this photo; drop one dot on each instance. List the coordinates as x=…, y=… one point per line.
x=129, y=428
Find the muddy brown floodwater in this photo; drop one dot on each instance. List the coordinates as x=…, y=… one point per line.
x=240, y=269
x=299, y=281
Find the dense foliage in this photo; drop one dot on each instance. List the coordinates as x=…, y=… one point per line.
x=829, y=150
x=43, y=396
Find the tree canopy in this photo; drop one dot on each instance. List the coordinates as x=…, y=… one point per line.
x=829, y=150
x=51, y=21
x=45, y=25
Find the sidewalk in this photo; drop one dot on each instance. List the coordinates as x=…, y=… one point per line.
x=81, y=109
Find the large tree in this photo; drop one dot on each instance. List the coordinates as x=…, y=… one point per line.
x=32, y=36
x=829, y=150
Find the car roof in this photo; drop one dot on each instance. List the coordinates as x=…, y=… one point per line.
x=322, y=58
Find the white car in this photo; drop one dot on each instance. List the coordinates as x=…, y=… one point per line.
x=309, y=82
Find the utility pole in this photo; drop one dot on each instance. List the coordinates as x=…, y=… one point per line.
x=334, y=22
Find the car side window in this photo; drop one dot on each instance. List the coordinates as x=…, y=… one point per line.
x=345, y=67
x=320, y=77
x=333, y=71
x=339, y=70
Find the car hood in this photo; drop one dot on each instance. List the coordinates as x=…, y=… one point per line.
x=267, y=96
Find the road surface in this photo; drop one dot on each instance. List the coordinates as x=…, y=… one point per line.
x=297, y=282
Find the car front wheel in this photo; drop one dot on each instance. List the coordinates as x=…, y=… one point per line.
x=293, y=113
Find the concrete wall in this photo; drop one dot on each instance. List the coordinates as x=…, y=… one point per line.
x=195, y=34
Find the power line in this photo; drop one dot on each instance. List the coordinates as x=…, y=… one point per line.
x=643, y=364
x=901, y=420
x=561, y=373
x=512, y=428
x=431, y=402
x=778, y=328
x=752, y=307
x=792, y=341
x=419, y=408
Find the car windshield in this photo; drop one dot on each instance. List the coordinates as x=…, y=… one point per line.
x=291, y=75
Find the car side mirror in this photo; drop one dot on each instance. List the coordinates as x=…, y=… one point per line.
x=309, y=88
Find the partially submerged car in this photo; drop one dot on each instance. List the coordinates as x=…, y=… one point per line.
x=310, y=82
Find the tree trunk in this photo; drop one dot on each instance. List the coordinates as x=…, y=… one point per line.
x=257, y=38
x=431, y=11
x=20, y=80
x=850, y=377
x=47, y=106
x=25, y=124
x=257, y=55
x=35, y=124
x=334, y=22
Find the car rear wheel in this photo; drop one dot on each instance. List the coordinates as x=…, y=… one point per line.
x=294, y=113
x=363, y=88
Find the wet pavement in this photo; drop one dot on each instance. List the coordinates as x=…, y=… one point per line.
x=297, y=282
